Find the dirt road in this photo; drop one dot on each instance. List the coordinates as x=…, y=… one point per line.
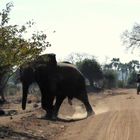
x=117, y=118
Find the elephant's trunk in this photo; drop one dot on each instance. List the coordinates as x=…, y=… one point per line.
x=24, y=99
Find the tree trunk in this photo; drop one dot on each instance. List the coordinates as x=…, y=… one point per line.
x=3, y=81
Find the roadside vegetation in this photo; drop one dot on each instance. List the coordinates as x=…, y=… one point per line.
x=114, y=74
x=16, y=49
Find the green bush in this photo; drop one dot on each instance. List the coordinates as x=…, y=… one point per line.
x=120, y=84
x=110, y=79
x=131, y=82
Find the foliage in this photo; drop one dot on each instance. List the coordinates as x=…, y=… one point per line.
x=120, y=84
x=115, y=63
x=15, y=49
x=132, y=79
x=107, y=67
x=77, y=57
x=133, y=65
x=123, y=70
x=132, y=38
x=91, y=69
x=132, y=41
x=110, y=78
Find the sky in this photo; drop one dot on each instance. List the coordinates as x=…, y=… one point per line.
x=81, y=26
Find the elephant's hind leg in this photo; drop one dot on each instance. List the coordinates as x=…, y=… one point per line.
x=59, y=100
x=84, y=98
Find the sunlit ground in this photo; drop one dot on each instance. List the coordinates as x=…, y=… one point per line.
x=79, y=113
x=100, y=110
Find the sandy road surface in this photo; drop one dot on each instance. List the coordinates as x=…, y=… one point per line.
x=117, y=118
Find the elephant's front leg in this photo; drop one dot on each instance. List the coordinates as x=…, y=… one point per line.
x=47, y=105
x=59, y=100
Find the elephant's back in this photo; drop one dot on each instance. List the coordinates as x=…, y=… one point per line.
x=70, y=73
x=68, y=69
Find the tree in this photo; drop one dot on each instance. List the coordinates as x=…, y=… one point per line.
x=77, y=57
x=124, y=72
x=110, y=78
x=115, y=62
x=107, y=67
x=134, y=64
x=132, y=38
x=132, y=79
x=91, y=69
x=15, y=49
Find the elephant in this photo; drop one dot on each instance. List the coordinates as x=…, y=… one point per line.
x=56, y=81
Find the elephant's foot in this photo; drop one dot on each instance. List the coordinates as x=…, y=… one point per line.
x=47, y=116
x=89, y=113
x=50, y=117
x=54, y=117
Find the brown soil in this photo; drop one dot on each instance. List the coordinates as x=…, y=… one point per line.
x=117, y=118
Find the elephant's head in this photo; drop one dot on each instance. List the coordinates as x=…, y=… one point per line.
x=28, y=74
